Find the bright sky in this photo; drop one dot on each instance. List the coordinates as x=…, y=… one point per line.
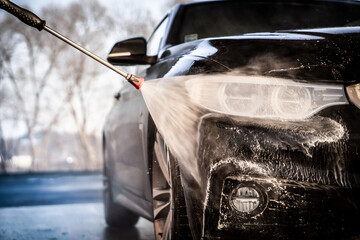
x=158, y=6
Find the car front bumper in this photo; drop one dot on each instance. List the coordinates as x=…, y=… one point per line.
x=309, y=172
x=292, y=209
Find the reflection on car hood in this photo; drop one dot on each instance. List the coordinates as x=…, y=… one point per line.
x=328, y=54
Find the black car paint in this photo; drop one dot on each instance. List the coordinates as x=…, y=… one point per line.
x=311, y=188
x=318, y=55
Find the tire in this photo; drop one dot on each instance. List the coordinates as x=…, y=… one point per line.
x=170, y=217
x=115, y=214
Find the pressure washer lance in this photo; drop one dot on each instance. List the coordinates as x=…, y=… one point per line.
x=32, y=20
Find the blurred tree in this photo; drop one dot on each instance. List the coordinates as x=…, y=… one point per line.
x=26, y=64
x=44, y=80
x=86, y=24
x=135, y=21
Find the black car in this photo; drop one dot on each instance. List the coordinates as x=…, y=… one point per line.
x=276, y=85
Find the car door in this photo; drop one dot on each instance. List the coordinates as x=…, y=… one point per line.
x=124, y=143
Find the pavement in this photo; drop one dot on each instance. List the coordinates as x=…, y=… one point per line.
x=59, y=206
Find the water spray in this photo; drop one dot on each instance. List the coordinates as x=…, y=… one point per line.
x=33, y=20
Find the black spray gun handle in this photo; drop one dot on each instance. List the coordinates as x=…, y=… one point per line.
x=24, y=15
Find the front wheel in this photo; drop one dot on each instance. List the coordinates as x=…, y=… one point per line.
x=170, y=217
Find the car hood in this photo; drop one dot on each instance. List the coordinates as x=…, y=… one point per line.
x=328, y=54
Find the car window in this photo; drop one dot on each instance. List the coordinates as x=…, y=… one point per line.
x=156, y=38
x=231, y=18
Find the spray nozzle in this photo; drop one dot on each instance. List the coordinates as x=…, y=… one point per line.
x=137, y=82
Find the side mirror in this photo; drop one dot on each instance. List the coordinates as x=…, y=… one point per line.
x=131, y=51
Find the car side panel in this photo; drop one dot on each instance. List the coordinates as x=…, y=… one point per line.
x=124, y=152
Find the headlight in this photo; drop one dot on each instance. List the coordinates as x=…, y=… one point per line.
x=262, y=97
x=353, y=92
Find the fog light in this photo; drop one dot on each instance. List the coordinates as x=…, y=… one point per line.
x=248, y=199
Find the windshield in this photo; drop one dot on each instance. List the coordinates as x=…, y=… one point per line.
x=229, y=18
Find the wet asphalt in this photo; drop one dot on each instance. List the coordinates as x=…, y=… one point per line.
x=59, y=206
